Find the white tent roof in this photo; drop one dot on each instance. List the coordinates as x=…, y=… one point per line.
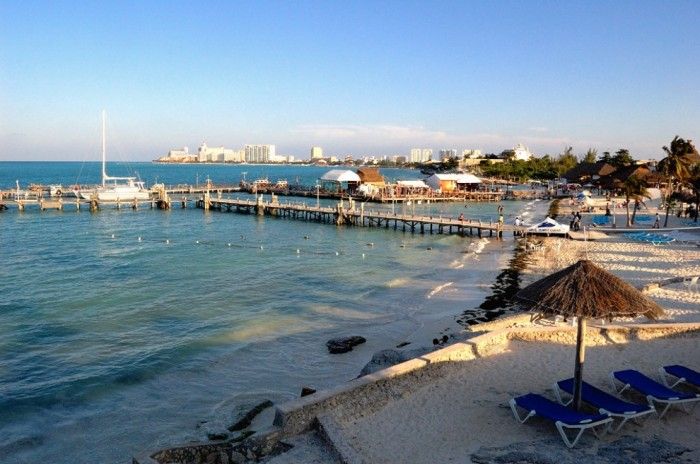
x=412, y=183
x=341, y=175
x=459, y=178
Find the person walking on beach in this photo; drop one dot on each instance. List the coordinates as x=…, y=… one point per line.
x=657, y=222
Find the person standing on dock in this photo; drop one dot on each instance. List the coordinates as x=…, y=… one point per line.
x=461, y=217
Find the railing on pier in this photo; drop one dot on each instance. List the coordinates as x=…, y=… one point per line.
x=360, y=217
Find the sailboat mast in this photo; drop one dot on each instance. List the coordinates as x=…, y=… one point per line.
x=104, y=149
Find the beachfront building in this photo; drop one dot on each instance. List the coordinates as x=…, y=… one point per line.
x=446, y=183
x=316, y=153
x=446, y=154
x=371, y=176
x=337, y=180
x=471, y=153
x=207, y=154
x=259, y=153
x=179, y=156
x=521, y=153
x=420, y=155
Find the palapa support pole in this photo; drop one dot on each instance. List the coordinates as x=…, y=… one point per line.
x=580, y=357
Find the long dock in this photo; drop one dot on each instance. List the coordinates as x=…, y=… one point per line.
x=353, y=216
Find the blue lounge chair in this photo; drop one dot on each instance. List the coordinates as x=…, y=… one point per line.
x=654, y=391
x=681, y=373
x=563, y=417
x=605, y=402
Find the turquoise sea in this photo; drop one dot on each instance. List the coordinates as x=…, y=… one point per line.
x=124, y=331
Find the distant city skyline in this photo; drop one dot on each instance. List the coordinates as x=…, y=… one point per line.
x=362, y=78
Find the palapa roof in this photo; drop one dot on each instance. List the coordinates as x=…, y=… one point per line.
x=588, y=170
x=586, y=290
x=617, y=178
x=370, y=175
x=340, y=175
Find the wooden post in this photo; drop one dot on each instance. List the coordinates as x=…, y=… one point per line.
x=580, y=358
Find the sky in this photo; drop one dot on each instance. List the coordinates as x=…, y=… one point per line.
x=362, y=78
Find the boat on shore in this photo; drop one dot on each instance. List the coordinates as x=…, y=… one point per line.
x=115, y=188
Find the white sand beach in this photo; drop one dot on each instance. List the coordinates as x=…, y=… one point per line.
x=456, y=410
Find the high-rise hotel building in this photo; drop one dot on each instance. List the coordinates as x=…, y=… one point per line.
x=259, y=153
x=421, y=155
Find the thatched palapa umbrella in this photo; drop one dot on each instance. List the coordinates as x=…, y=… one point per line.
x=584, y=290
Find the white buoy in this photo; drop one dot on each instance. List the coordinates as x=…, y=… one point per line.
x=261, y=247
x=229, y=244
x=112, y=235
x=298, y=251
x=139, y=239
x=167, y=241
x=336, y=253
x=196, y=241
x=363, y=256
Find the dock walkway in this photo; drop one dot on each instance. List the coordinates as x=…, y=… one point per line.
x=353, y=216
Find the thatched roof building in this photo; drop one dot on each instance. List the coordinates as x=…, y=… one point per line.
x=619, y=176
x=371, y=176
x=584, y=172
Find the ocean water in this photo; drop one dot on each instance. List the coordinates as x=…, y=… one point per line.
x=124, y=331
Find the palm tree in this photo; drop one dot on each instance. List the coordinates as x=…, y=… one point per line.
x=694, y=181
x=675, y=167
x=635, y=188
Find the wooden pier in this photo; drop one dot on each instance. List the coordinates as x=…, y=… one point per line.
x=354, y=216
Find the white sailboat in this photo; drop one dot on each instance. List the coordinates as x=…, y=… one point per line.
x=116, y=188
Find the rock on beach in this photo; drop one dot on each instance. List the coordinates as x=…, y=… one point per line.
x=344, y=344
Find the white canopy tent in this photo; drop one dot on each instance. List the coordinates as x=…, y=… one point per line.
x=340, y=175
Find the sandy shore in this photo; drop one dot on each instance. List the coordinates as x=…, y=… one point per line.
x=463, y=416
x=638, y=263
x=460, y=412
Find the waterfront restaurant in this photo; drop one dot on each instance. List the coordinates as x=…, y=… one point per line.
x=447, y=183
x=338, y=180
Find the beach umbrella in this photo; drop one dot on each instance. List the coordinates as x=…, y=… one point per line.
x=584, y=290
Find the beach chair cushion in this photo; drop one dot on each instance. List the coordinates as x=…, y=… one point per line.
x=564, y=418
x=682, y=372
x=555, y=412
x=649, y=387
x=603, y=400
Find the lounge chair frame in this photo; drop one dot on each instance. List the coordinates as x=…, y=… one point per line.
x=651, y=398
x=637, y=417
x=561, y=426
x=664, y=375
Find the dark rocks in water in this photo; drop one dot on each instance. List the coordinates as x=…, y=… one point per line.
x=306, y=391
x=213, y=436
x=402, y=344
x=387, y=358
x=344, y=344
x=246, y=420
x=445, y=338
x=435, y=341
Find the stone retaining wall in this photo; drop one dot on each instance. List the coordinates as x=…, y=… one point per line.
x=370, y=393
